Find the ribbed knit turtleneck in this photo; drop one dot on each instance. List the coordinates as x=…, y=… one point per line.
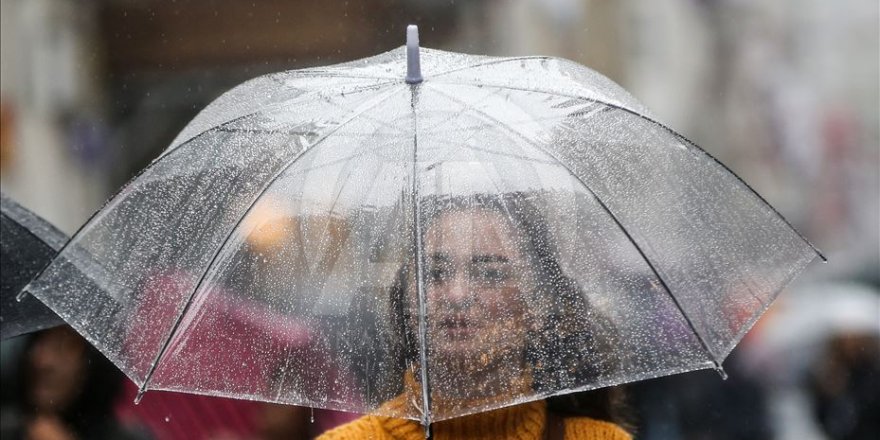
x=521, y=422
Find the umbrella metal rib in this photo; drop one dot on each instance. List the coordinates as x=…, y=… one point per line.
x=113, y=198
x=294, y=101
x=143, y=388
x=420, y=285
x=491, y=62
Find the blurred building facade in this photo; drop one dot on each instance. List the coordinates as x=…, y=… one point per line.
x=785, y=93
x=54, y=119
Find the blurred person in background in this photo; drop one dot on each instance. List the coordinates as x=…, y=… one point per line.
x=65, y=390
x=701, y=406
x=817, y=356
x=844, y=386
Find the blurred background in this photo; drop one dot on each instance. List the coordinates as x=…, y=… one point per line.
x=785, y=93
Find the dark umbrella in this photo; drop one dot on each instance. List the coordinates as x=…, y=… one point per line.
x=27, y=244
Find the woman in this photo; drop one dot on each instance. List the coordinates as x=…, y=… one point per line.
x=505, y=323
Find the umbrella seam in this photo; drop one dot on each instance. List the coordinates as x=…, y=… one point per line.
x=671, y=131
x=554, y=93
x=308, y=72
x=494, y=60
x=260, y=110
x=613, y=217
x=282, y=170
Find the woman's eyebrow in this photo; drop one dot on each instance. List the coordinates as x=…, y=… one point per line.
x=489, y=258
x=440, y=256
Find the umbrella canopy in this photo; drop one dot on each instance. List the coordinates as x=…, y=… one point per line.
x=27, y=244
x=423, y=243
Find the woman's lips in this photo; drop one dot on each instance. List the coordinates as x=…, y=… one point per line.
x=457, y=328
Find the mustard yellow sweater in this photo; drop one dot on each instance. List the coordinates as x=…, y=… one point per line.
x=521, y=422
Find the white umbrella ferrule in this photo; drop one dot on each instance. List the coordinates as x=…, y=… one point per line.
x=413, y=68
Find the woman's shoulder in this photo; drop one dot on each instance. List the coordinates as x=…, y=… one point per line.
x=378, y=427
x=585, y=428
x=375, y=428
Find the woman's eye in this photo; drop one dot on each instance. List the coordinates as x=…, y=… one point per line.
x=491, y=275
x=437, y=274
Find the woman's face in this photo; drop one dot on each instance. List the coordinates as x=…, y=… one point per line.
x=475, y=279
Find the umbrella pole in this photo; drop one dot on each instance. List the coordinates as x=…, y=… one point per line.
x=420, y=288
x=414, y=77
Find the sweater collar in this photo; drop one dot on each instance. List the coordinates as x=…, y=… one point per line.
x=525, y=422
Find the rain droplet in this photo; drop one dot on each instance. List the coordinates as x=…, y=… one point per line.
x=484, y=358
x=312, y=415
x=167, y=419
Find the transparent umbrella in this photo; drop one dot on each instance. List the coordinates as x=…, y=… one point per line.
x=423, y=235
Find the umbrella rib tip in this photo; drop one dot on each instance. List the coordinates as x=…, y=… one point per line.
x=413, y=67
x=720, y=370
x=140, y=395
x=23, y=294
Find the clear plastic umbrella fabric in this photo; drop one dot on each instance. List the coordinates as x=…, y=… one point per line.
x=506, y=230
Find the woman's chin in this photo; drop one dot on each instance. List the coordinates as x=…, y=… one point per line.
x=469, y=354
x=455, y=352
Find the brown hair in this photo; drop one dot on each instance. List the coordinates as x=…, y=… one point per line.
x=571, y=330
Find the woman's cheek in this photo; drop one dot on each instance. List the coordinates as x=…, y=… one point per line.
x=502, y=303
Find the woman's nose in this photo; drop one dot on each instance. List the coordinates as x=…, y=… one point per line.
x=455, y=291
